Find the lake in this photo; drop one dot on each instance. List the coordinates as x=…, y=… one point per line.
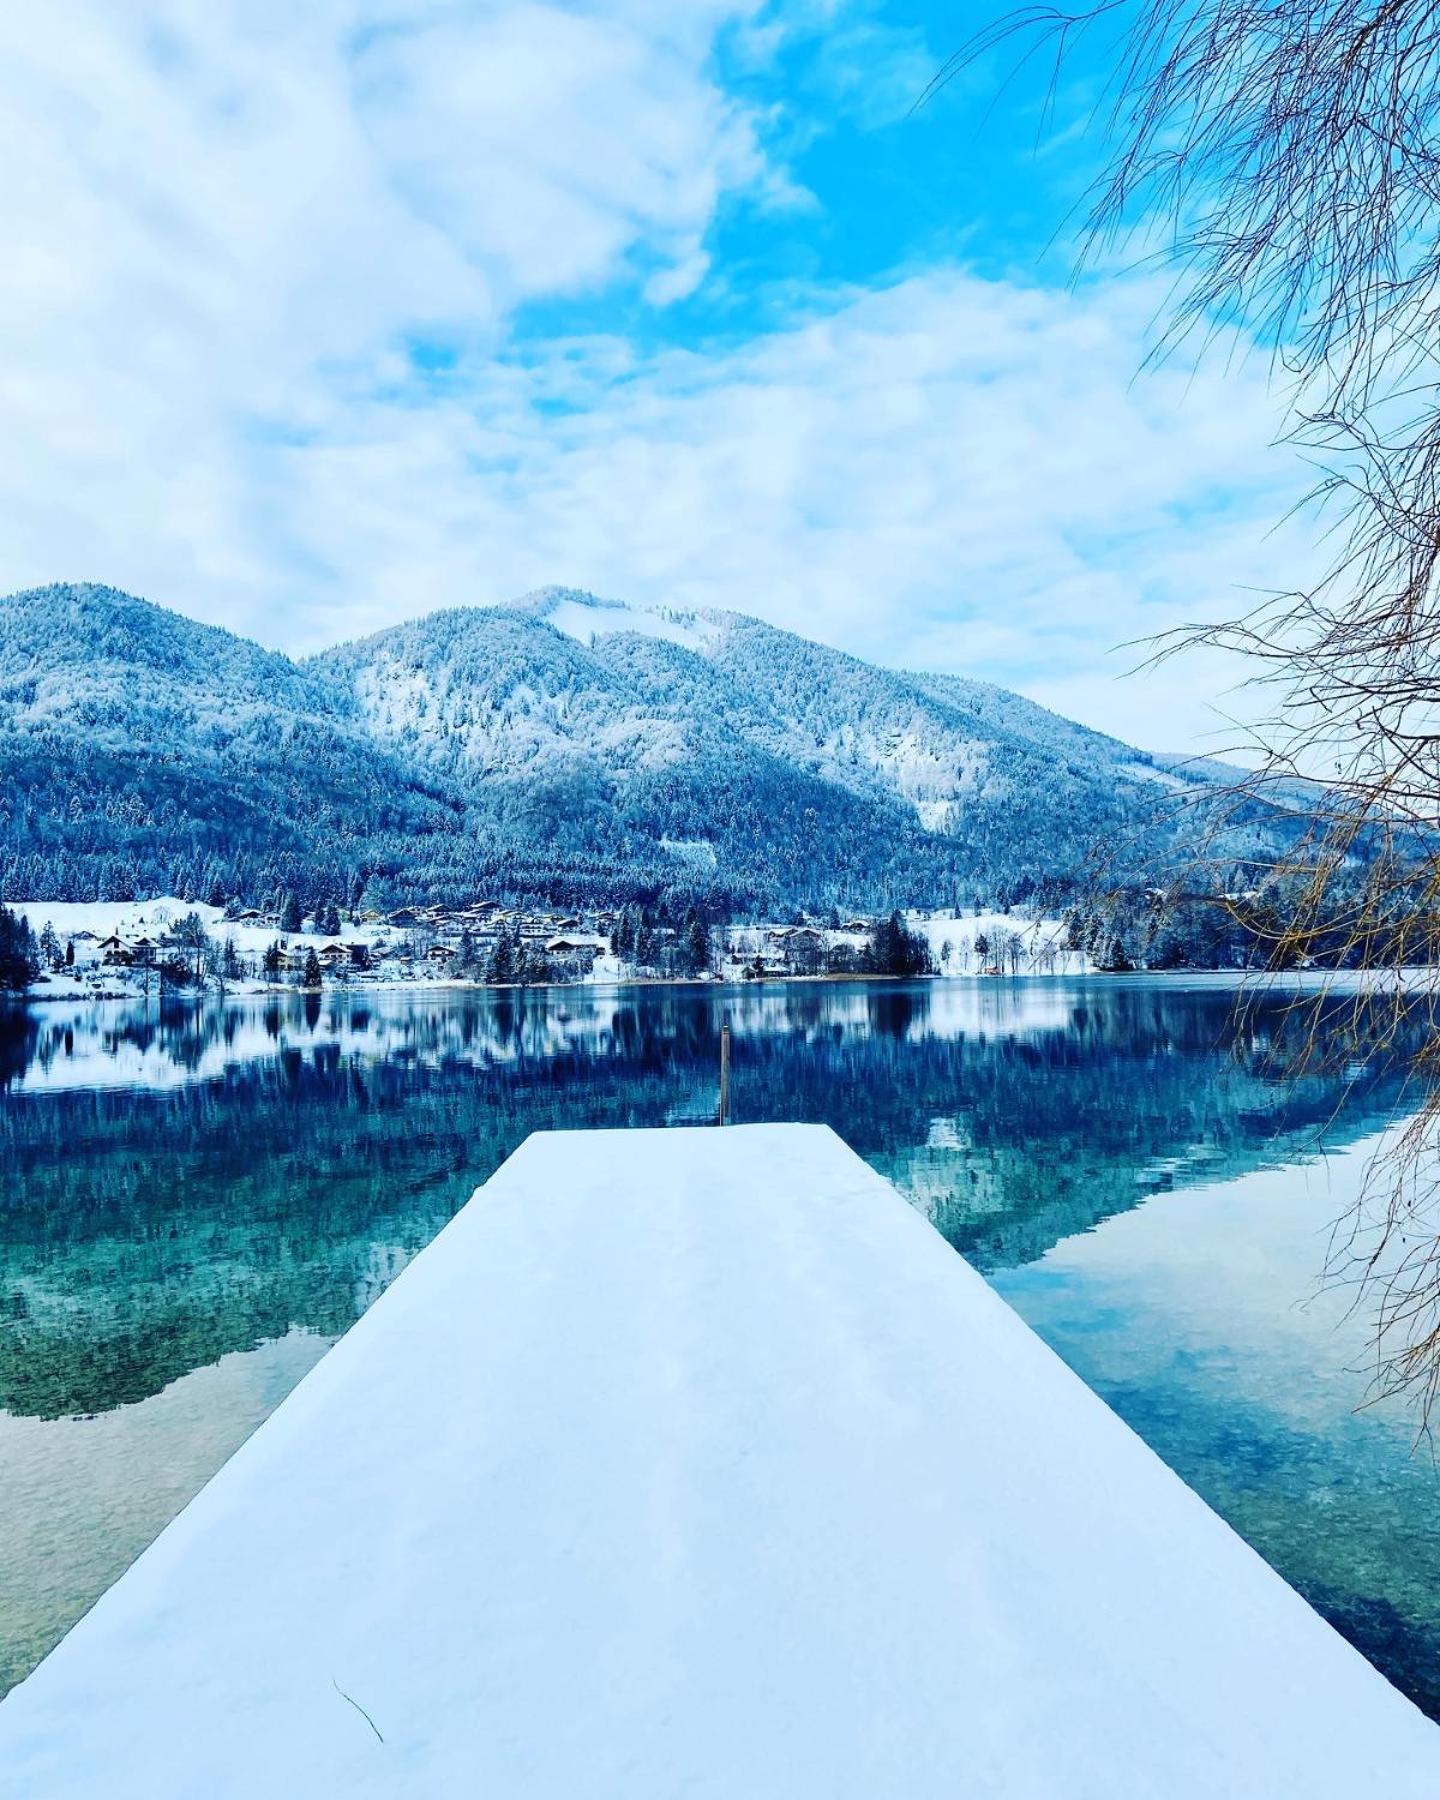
x=195, y=1202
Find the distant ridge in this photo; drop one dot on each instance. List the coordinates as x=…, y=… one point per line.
x=561, y=746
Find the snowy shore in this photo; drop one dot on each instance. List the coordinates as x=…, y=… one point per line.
x=959, y=944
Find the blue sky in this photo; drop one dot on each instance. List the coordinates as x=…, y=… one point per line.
x=886, y=175
x=318, y=318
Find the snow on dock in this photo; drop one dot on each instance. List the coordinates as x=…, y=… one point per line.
x=694, y=1463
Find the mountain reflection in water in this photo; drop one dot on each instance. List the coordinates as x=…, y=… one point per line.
x=194, y=1201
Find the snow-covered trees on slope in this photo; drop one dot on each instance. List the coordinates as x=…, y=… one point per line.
x=19, y=956
x=519, y=752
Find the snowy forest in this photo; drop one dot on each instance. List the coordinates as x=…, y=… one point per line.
x=706, y=760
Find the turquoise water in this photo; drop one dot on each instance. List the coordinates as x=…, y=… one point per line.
x=195, y=1203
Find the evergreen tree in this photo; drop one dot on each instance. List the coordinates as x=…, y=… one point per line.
x=896, y=950
x=270, y=962
x=19, y=956
x=50, y=953
x=501, y=966
x=312, y=969
x=291, y=917
x=1112, y=956
x=699, y=952
x=70, y=953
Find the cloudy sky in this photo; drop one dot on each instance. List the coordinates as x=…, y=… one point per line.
x=316, y=317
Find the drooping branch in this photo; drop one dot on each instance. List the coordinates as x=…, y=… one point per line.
x=1283, y=161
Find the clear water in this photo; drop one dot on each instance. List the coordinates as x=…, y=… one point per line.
x=195, y=1203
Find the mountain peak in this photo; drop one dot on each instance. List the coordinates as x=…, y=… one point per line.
x=88, y=626
x=544, y=603
x=586, y=617
x=561, y=744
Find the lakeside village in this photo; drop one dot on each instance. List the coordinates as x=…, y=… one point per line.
x=91, y=950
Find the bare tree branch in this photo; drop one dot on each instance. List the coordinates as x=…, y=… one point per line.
x=1291, y=154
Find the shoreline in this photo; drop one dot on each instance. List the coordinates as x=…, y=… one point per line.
x=1314, y=980
x=357, y=990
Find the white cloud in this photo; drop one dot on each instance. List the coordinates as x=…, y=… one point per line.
x=953, y=473
x=548, y=144
x=225, y=222
x=221, y=215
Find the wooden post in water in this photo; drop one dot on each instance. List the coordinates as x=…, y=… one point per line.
x=722, y=1117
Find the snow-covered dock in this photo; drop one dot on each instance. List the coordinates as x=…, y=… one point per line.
x=695, y=1463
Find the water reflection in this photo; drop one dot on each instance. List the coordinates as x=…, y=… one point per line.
x=195, y=1200
x=178, y=1185
x=1201, y=1322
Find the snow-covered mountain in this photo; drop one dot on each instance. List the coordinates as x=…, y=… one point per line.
x=137, y=746
x=561, y=742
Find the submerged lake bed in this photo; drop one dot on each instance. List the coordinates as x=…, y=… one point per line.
x=196, y=1201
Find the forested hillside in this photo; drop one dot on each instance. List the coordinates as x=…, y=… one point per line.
x=561, y=748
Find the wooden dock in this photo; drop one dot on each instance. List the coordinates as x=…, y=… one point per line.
x=694, y=1463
